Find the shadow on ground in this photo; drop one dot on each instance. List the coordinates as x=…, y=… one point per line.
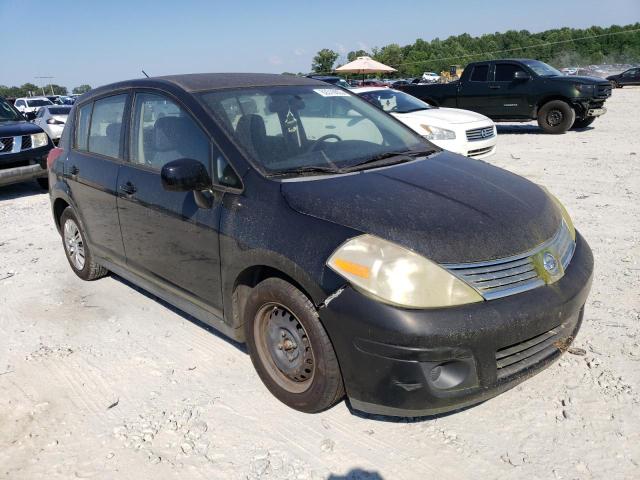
x=17, y=190
x=357, y=474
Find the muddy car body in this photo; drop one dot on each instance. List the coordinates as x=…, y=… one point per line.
x=352, y=255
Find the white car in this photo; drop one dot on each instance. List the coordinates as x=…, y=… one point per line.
x=29, y=106
x=52, y=119
x=430, y=77
x=459, y=131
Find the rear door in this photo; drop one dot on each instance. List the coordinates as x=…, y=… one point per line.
x=474, y=90
x=168, y=238
x=508, y=97
x=91, y=170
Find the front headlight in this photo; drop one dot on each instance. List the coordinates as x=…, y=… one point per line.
x=398, y=276
x=436, y=133
x=563, y=211
x=584, y=88
x=39, y=140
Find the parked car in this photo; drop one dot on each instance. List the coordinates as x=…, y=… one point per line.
x=347, y=251
x=430, y=77
x=460, y=131
x=333, y=80
x=23, y=148
x=29, y=106
x=397, y=83
x=52, y=119
x=521, y=90
x=628, y=77
x=372, y=82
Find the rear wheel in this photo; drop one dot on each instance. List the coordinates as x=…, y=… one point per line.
x=290, y=348
x=583, y=122
x=556, y=117
x=76, y=248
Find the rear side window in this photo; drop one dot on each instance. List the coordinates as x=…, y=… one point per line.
x=82, y=126
x=106, y=126
x=480, y=73
x=506, y=71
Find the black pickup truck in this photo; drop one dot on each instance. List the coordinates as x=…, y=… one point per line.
x=521, y=90
x=23, y=148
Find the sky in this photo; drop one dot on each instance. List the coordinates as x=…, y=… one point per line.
x=103, y=41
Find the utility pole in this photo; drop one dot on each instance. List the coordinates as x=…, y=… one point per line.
x=50, y=85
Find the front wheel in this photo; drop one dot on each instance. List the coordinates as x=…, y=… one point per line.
x=583, y=122
x=290, y=348
x=556, y=117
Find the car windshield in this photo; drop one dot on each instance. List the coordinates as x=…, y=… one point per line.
x=59, y=110
x=542, y=68
x=40, y=102
x=8, y=113
x=394, y=101
x=309, y=129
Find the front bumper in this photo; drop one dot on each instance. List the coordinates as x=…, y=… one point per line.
x=23, y=166
x=422, y=362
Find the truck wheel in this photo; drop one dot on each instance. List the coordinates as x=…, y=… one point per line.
x=76, y=248
x=556, y=116
x=290, y=348
x=583, y=122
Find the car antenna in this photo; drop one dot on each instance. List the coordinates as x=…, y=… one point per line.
x=145, y=74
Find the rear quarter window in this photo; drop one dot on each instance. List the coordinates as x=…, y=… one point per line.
x=82, y=126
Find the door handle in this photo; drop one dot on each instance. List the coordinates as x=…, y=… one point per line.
x=74, y=170
x=128, y=188
x=494, y=87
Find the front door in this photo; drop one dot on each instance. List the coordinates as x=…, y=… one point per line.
x=507, y=96
x=91, y=169
x=167, y=237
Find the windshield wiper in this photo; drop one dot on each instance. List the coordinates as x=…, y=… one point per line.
x=388, y=158
x=309, y=169
x=416, y=110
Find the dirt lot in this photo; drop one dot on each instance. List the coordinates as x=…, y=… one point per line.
x=100, y=380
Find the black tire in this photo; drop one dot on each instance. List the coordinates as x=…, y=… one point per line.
x=584, y=122
x=556, y=117
x=43, y=182
x=318, y=385
x=89, y=269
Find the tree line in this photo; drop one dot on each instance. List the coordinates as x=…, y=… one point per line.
x=560, y=47
x=32, y=90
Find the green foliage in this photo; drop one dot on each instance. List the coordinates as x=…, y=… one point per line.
x=324, y=60
x=351, y=56
x=81, y=89
x=562, y=47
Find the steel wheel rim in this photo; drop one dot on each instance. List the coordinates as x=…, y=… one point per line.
x=284, y=347
x=74, y=244
x=554, y=117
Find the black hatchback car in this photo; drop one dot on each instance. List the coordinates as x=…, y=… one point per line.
x=349, y=253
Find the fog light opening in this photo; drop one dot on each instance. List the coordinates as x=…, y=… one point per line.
x=448, y=374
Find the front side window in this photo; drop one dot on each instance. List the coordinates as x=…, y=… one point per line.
x=82, y=126
x=163, y=132
x=506, y=71
x=286, y=128
x=106, y=126
x=480, y=73
x=394, y=101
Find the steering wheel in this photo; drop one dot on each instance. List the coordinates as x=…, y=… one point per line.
x=322, y=139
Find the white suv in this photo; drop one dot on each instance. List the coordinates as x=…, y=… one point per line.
x=29, y=106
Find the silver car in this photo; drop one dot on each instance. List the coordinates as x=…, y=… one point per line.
x=51, y=119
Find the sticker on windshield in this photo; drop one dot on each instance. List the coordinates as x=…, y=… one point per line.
x=331, y=92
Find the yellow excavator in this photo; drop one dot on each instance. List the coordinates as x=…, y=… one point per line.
x=454, y=73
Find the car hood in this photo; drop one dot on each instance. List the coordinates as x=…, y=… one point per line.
x=448, y=208
x=577, y=79
x=444, y=115
x=17, y=128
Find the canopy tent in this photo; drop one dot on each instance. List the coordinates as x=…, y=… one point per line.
x=364, y=65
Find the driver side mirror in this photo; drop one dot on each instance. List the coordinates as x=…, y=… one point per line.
x=521, y=76
x=185, y=174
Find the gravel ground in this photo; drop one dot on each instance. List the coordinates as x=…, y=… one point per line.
x=100, y=380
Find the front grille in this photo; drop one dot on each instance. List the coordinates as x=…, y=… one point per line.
x=518, y=356
x=603, y=90
x=26, y=142
x=511, y=275
x=479, y=151
x=6, y=145
x=480, y=133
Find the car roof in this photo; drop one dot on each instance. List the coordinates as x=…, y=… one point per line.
x=199, y=82
x=32, y=98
